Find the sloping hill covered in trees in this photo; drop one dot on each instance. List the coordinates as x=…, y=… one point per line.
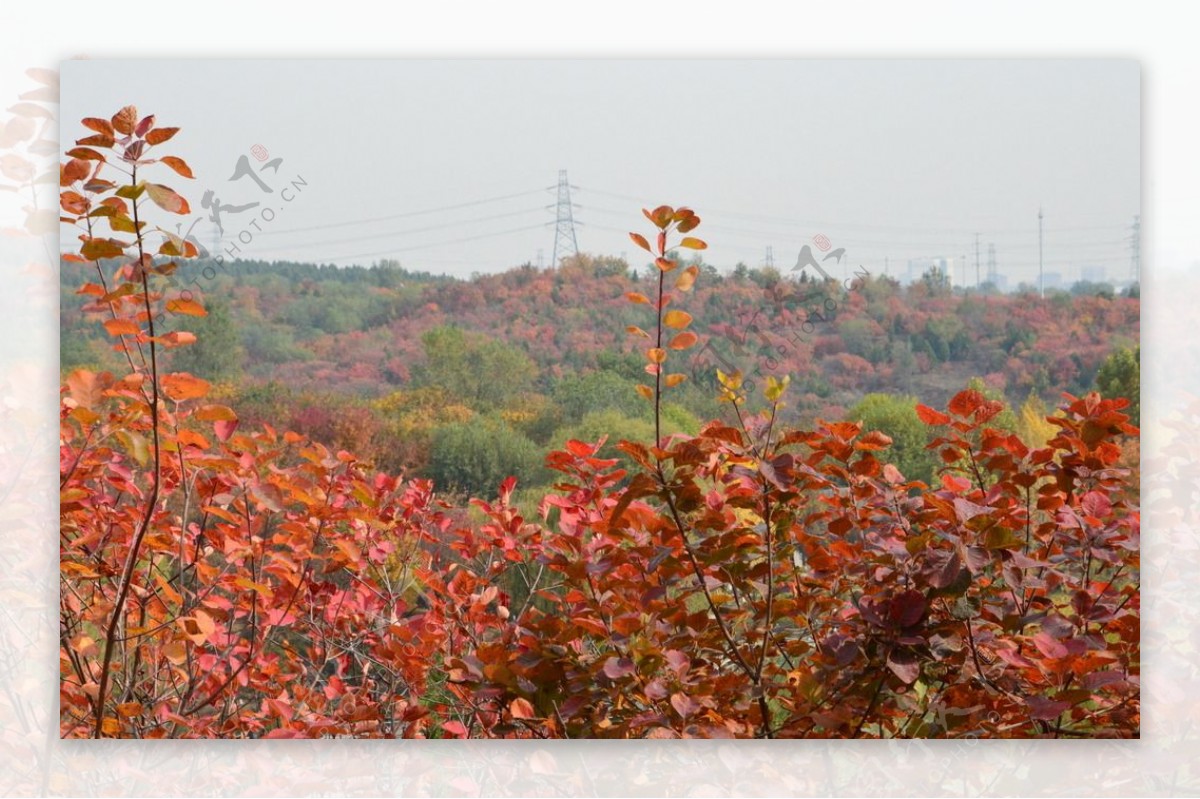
x=385, y=362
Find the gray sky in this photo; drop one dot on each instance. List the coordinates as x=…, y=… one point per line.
x=895, y=159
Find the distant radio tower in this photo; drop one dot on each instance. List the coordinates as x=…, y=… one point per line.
x=977, y=260
x=769, y=261
x=564, y=226
x=1041, y=265
x=1135, y=262
x=992, y=276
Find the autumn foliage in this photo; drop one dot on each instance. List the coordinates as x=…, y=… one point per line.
x=747, y=581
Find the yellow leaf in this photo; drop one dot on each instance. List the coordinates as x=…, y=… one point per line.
x=775, y=388
x=637, y=331
x=693, y=243
x=645, y=391
x=732, y=382
x=687, y=279
x=656, y=355
x=167, y=199
x=674, y=380
x=677, y=319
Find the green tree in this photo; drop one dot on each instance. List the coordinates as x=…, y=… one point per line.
x=1120, y=376
x=896, y=417
x=474, y=457
x=217, y=354
x=484, y=373
x=578, y=395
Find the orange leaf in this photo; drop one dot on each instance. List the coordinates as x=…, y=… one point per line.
x=677, y=319
x=640, y=241
x=181, y=386
x=656, y=355
x=687, y=279
x=186, y=307
x=87, y=388
x=520, y=708
x=665, y=264
x=124, y=120
x=674, y=380
x=101, y=126
x=190, y=438
x=693, y=243
x=637, y=331
x=160, y=135
x=645, y=391
x=214, y=413
x=178, y=164
x=121, y=327
x=177, y=338
x=633, y=296
x=683, y=341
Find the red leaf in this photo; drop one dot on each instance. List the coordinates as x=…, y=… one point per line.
x=224, y=428
x=1048, y=646
x=455, y=729
x=615, y=668
x=1045, y=709
x=931, y=417
x=964, y=403
x=684, y=705
x=904, y=665
x=906, y=608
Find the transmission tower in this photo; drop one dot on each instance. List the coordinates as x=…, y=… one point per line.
x=1041, y=274
x=564, y=226
x=769, y=261
x=1135, y=243
x=976, y=260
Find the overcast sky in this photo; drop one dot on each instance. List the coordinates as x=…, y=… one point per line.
x=889, y=159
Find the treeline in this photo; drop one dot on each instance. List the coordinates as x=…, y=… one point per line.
x=468, y=381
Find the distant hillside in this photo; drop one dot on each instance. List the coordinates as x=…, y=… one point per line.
x=346, y=352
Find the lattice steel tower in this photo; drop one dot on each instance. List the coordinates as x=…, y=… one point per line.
x=564, y=226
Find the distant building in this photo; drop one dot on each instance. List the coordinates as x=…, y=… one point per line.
x=917, y=267
x=1093, y=273
x=1053, y=280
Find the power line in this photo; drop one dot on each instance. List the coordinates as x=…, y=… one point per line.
x=405, y=214
x=435, y=243
x=409, y=231
x=792, y=221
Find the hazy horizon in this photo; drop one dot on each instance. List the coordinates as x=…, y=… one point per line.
x=450, y=166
